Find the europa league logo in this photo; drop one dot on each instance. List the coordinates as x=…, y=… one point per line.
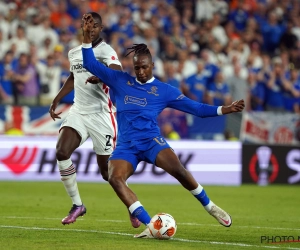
x=263, y=166
x=264, y=156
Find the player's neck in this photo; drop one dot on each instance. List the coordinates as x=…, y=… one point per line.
x=96, y=42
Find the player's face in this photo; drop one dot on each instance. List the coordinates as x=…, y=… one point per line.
x=143, y=68
x=97, y=28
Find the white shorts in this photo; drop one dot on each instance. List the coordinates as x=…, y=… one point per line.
x=101, y=127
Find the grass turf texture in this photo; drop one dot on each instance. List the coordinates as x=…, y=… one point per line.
x=31, y=213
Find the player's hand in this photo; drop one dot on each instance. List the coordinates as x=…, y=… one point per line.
x=236, y=106
x=87, y=23
x=92, y=80
x=52, y=108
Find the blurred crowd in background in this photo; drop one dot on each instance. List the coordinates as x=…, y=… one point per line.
x=215, y=51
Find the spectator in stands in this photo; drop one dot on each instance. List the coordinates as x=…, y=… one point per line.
x=50, y=76
x=238, y=86
x=229, y=135
x=25, y=81
x=288, y=39
x=239, y=16
x=48, y=32
x=21, y=41
x=123, y=26
x=197, y=84
x=19, y=20
x=189, y=44
x=216, y=54
x=7, y=66
x=272, y=32
x=274, y=87
x=218, y=30
x=218, y=91
x=169, y=132
x=58, y=13
x=34, y=30
x=211, y=69
x=185, y=66
x=170, y=52
x=45, y=49
x=11, y=130
x=291, y=92
x=158, y=70
x=204, y=10
x=256, y=93
x=172, y=77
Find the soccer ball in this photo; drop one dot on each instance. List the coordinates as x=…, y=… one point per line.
x=162, y=226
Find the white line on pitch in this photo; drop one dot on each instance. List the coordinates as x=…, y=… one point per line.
x=180, y=223
x=125, y=234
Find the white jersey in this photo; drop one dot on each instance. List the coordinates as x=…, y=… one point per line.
x=91, y=98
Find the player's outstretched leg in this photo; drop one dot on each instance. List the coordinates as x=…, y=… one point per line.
x=68, y=177
x=103, y=168
x=167, y=160
x=219, y=214
x=134, y=220
x=119, y=172
x=137, y=210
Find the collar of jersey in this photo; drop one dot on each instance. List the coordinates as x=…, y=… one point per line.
x=150, y=80
x=97, y=44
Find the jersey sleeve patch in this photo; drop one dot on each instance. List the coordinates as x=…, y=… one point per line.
x=180, y=97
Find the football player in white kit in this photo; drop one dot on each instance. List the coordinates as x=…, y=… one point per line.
x=91, y=115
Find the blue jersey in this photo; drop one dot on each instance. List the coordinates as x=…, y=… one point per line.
x=139, y=104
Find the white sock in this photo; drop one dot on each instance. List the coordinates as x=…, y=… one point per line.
x=209, y=206
x=134, y=206
x=197, y=191
x=68, y=177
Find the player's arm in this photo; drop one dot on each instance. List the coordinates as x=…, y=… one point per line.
x=180, y=102
x=67, y=87
x=107, y=75
x=95, y=79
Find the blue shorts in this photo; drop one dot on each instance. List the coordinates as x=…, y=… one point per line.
x=139, y=150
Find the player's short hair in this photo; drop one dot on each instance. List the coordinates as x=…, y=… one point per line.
x=95, y=15
x=139, y=49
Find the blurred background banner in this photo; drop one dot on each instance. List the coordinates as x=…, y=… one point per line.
x=28, y=158
x=270, y=164
x=30, y=120
x=269, y=127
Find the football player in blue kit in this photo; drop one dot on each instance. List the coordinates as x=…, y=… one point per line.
x=139, y=100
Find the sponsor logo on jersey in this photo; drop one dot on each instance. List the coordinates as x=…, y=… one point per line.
x=153, y=91
x=130, y=83
x=134, y=100
x=77, y=66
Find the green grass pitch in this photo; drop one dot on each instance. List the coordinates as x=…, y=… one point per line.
x=31, y=213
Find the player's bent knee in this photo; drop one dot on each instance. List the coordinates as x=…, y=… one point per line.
x=116, y=181
x=62, y=154
x=104, y=175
